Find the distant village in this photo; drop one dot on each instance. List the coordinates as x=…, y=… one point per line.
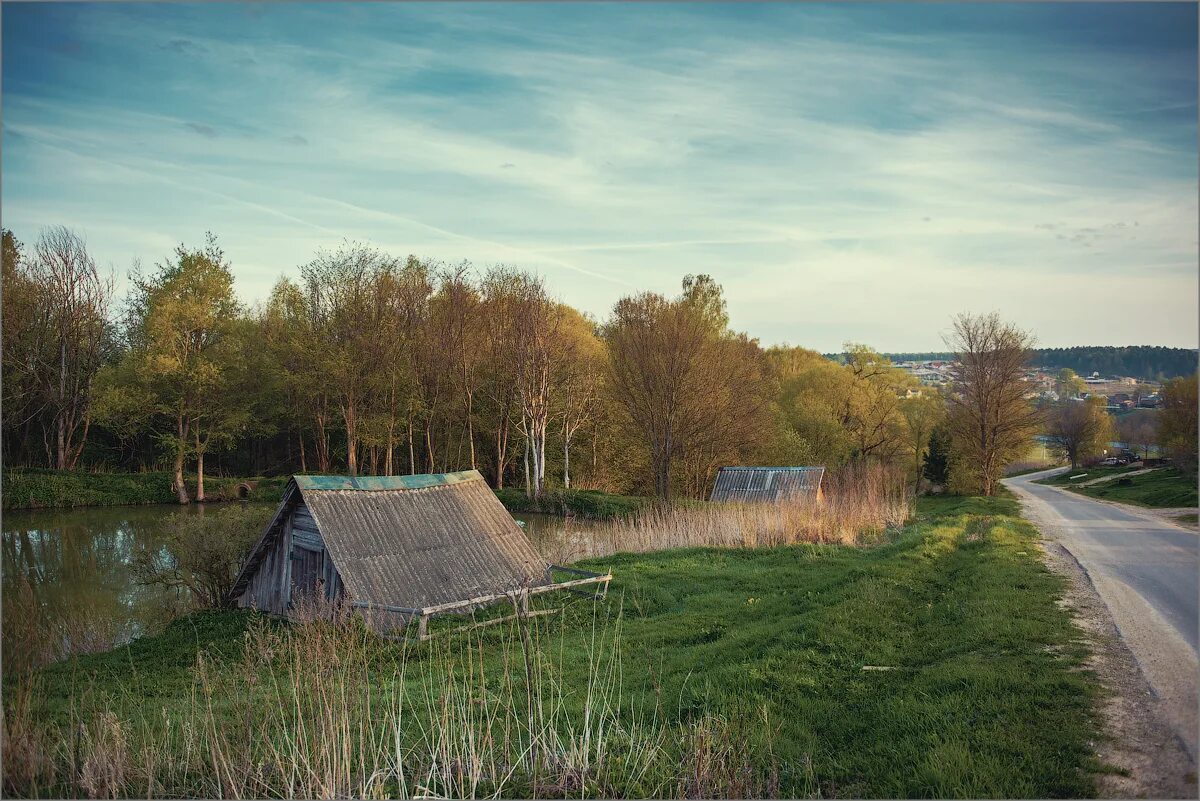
x=1121, y=393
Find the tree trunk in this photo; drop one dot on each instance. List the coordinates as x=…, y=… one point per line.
x=412, y=455
x=566, y=461
x=528, y=487
x=391, y=445
x=180, y=445
x=61, y=461
x=471, y=430
x=300, y=436
x=199, y=468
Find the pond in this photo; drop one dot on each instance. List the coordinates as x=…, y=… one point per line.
x=74, y=567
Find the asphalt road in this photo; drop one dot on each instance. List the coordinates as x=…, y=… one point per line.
x=1147, y=571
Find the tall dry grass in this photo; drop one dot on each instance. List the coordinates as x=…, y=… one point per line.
x=860, y=503
x=323, y=708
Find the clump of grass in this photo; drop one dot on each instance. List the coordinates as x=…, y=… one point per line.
x=325, y=708
x=859, y=504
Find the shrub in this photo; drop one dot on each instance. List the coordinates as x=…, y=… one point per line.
x=204, y=552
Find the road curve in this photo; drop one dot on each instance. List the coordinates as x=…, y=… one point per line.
x=1146, y=571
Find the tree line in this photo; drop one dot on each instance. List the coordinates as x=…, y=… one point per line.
x=368, y=363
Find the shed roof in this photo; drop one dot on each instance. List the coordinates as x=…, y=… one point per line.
x=767, y=483
x=412, y=541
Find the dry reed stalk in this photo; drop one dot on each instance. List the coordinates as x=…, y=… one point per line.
x=860, y=503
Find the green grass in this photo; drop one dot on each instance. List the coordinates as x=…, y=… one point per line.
x=591, y=504
x=33, y=488
x=1164, y=487
x=988, y=695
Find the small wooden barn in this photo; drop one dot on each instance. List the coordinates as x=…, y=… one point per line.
x=402, y=548
x=768, y=484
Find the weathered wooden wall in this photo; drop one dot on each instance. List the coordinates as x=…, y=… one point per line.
x=296, y=550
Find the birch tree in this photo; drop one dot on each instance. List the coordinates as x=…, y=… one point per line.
x=70, y=321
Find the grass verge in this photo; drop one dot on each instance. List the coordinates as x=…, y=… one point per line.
x=1163, y=487
x=937, y=664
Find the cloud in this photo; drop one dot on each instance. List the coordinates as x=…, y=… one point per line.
x=206, y=131
x=183, y=46
x=767, y=149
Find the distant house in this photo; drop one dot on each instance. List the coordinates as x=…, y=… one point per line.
x=402, y=548
x=768, y=484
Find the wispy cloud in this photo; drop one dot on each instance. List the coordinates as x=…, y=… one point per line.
x=829, y=166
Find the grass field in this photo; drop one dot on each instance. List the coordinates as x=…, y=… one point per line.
x=936, y=664
x=1162, y=488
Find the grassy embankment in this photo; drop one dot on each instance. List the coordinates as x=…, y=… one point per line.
x=1163, y=487
x=937, y=663
x=31, y=488
x=34, y=488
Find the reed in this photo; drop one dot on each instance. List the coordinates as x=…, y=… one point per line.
x=324, y=708
x=860, y=503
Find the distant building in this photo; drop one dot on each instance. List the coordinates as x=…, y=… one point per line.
x=767, y=484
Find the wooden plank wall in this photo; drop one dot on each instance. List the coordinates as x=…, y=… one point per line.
x=269, y=589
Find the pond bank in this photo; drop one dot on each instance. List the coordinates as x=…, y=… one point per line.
x=35, y=488
x=750, y=669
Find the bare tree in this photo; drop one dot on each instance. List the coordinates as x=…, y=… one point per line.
x=991, y=420
x=1078, y=429
x=74, y=302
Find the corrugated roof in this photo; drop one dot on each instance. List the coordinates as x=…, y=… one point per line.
x=767, y=483
x=417, y=541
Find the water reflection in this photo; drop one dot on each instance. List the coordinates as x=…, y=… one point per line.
x=68, y=586
x=67, y=583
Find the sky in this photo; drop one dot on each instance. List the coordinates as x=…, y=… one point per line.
x=847, y=172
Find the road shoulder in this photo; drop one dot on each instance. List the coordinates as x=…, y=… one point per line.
x=1140, y=742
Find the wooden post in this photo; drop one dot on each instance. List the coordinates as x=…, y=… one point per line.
x=423, y=628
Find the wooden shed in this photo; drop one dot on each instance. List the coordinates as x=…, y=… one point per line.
x=768, y=484
x=402, y=547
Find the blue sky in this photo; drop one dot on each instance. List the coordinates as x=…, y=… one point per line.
x=854, y=172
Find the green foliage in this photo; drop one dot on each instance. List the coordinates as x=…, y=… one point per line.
x=936, y=466
x=35, y=488
x=984, y=691
x=205, y=551
x=591, y=504
x=1177, y=427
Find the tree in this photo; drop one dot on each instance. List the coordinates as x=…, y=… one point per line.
x=1079, y=430
x=181, y=326
x=348, y=324
x=579, y=386
x=1068, y=385
x=688, y=386
x=990, y=418
x=922, y=414
x=57, y=336
x=1138, y=433
x=1177, y=428
x=936, y=467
